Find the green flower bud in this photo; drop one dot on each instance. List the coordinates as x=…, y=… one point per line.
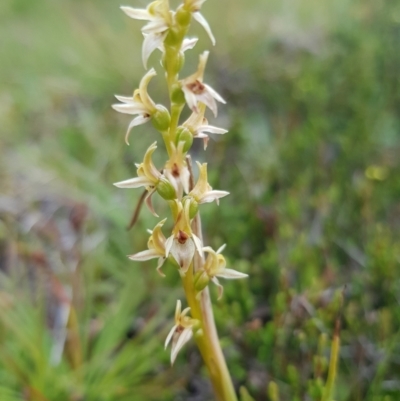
x=201, y=280
x=180, y=61
x=184, y=135
x=174, y=38
x=183, y=17
x=175, y=64
x=177, y=95
x=165, y=189
x=193, y=209
x=161, y=119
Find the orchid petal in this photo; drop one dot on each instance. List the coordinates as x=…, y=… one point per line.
x=144, y=255
x=134, y=183
x=188, y=44
x=211, y=129
x=129, y=108
x=149, y=203
x=185, y=312
x=194, y=5
x=185, y=179
x=221, y=248
x=144, y=96
x=161, y=261
x=139, y=120
x=191, y=99
x=215, y=94
x=208, y=249
x=231, y=274
x=209, y=101
x=169, y=336
x=198, y=243
x=151, y=42
x=168, y=245
x=157, y=25
x=203, y=22
x=220, y=288
x=126, y=99
x=149, y=168
x=178, y=309
x=183, y=254
x=184, y=337
x=214, y=195
x=136, y=13
x=200, y=135
x=205, y=142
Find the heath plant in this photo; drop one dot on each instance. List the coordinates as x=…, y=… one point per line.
x=197, y=264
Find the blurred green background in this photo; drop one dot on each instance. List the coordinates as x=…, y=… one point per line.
x=311, y=162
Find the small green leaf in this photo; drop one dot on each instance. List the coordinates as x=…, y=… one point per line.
x=244, y=394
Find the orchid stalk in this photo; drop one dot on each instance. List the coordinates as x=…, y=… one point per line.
x=197, y=264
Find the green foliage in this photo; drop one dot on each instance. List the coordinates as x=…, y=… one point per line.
x=312, y=161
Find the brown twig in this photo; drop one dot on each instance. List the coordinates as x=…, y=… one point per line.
x=136, y=212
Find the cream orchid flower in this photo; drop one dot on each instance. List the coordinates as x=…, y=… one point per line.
x=156, y=245
x=215, y=266
x=183, y=243
x=140, y=103
x=181, y=332
x=176, y=170
x=202, y=191
x=155, y=31
x=148, y=177
x=194, y=6
x=197, y=125
x=196, y=91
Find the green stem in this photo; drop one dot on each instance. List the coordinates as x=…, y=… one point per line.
x=330, y=383
x=208, y=342
x=201, y=310
x=176, y=110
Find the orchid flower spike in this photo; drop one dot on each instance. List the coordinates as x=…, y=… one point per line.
x=197, y=125
x=155, y=31
x=194, y=7
x=181, y=332
x=156, y=248
x=215, y=266
x=183, y=243
x=196, y=91
x=203, y=192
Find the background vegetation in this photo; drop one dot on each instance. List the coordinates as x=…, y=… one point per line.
x=312, y=164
